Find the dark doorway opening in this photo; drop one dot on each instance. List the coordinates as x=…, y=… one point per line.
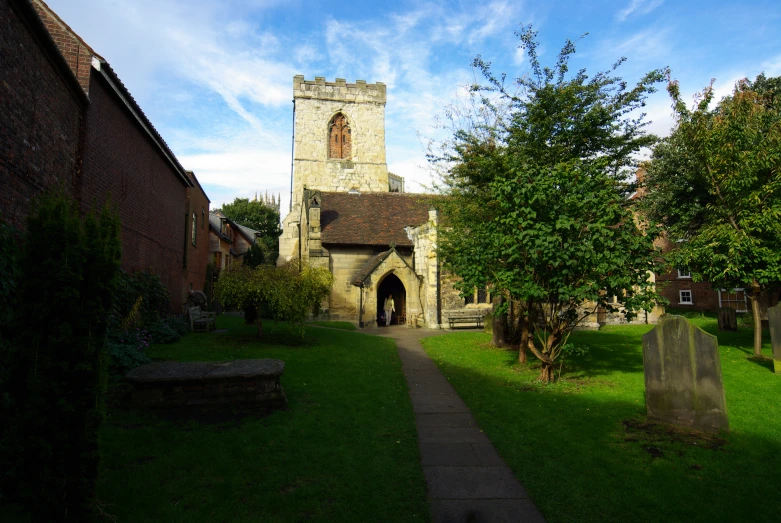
x=391, y=285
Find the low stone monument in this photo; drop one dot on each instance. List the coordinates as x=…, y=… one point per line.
x=683, y=375
x=728, y=319
x=774, y=319
x=238, y=384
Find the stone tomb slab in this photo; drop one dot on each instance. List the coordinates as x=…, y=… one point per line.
x=774, y=319
x=683, y=382
x=241, y=384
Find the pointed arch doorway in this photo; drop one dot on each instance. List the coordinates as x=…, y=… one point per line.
x=391, y=285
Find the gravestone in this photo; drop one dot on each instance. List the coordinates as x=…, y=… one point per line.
x=683, y=375
x=728, y=320
x=774, y=319
x=215, y=385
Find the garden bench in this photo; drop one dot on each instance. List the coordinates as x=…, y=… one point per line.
x=465, y=316
x=202, y=320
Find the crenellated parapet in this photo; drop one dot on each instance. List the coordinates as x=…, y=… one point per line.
x=339, y=90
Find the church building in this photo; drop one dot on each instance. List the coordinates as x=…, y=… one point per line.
x=352, y=216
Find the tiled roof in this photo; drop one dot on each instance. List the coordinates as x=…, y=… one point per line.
x=370, y=265
x=372, y=218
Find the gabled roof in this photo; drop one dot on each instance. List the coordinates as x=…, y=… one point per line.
x=249, y=234
x=369, y=267
x=372, y=218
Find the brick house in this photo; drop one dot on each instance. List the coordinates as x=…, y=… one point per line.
x=228, y=241
x=42, y=106
x=197, y=252
x=72, y=121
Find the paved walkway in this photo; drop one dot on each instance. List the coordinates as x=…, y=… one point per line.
x=467, y=479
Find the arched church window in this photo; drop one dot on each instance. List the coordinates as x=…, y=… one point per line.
x=339, y=138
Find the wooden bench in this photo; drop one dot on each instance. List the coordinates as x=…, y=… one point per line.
x=465, y=316
x=202, y=320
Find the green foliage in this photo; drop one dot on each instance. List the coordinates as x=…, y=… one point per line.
x=125, y=355
x=537, y=205
x=730, y=157
x=68, y=274
x=254, y=256
x=161, y=332
x=9, y=241
x=180, y=324
x=278, y=293
x=140, y=297
x=208, y=286
x=256, y=215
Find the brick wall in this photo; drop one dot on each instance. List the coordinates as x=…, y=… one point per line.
x=122, y=163
x=198, y=255
x=76, y=52
x=41, y=118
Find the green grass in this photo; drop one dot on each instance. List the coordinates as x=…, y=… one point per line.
x=584, y=451
x=344, y=325
x=345, y=450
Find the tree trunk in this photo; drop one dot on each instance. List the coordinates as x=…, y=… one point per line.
x=499, y=327
x=546, y=372
x=757, y=312
x=525, y=333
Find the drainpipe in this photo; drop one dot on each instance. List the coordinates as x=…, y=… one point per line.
x=360, y=307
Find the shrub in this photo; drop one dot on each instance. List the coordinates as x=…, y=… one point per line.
x=181, y=324
x=124, y=358
x=161, y=332
x=68, y=272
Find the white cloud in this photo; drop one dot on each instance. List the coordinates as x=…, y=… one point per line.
x=638, y=7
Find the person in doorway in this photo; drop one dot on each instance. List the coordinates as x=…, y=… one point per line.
x=389, y=308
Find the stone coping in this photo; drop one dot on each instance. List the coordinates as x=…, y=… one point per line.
x=202, y=371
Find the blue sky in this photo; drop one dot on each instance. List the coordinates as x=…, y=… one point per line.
x=215, y=77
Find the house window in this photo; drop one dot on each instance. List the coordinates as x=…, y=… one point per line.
x=684, y=273
x=482, y=295
x=735, y=299
x=203, y=216
x=339, y=138
x=194, y=233
x=685, y=298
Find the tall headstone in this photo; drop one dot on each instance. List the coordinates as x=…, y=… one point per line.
x=728, y=320
x=774, y=319
x=683, y=375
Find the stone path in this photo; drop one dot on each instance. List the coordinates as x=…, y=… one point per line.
x=467, y=479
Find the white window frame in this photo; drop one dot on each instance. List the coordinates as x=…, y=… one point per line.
x=680, y=297
x=684, y=274
x=745, y=298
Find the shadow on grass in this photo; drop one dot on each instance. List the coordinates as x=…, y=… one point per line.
x=593, y=455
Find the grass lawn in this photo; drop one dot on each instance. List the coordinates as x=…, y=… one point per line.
x=344, y=325
x=584, y=451
x=345, y=450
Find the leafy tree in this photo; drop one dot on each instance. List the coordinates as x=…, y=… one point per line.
x=537, y=208
x=279, y=293
x=724, y=164
x=252, y=258
x=68, y=273
x=257, y=215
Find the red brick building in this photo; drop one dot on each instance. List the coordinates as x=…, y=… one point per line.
x=73, y=121
x=42, y=107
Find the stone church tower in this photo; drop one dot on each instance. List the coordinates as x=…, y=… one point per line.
x=339, y=146
x=339, y=136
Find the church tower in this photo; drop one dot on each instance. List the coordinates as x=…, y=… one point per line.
x=339, y=136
